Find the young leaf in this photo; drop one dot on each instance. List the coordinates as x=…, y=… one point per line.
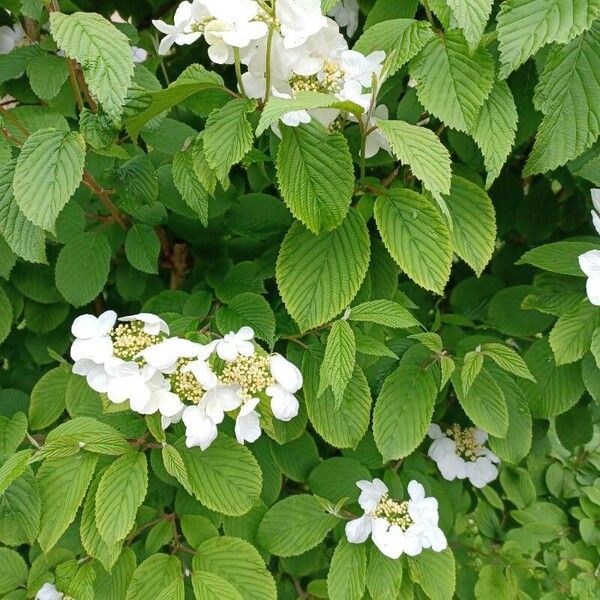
x=103, y=52
x=338, y=363
x=474, y=223
x=187, y=183
x=315, y=175
x=294, y=525
x=208, y=586
x=506, y=358
x=383, y=312
x=160, y=576
x=471, y=17
x=121, y=491
x=558, y=257
x=422, y=151
x=524, y=26
x=470, y=369
x=47, y=73
x=403, y=411
x=48, y=398
x=416, y=235
x=318, y=276
x=453, y=82
x=49, y=170
x=228, y=136
x=496, y=129
x=440, y=587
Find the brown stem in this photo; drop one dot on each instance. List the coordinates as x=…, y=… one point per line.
x=88, y=179
x=86, y=91
x=71, y=65
x=301, y=593
x=14, y=121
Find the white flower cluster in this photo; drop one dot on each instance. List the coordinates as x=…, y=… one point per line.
x=134, y=359
x=590, y=261
x=460, y=454
x=10, y=38
x=397, y=527
x=288, y=46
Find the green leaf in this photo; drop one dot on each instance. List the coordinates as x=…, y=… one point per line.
x=160, y=577
x=403, y=411
x=12, y=432
x=370, y=346
x=453, y=82
x=557, y=388
x=91, y=539
x=384, y=576
x=558, y=257
x=48, y=398
x=82, y=267
x=121, y=491
x=20, y=509
x=383, y=312
x=515, y=446
x=346, y=426
x=175, y=466
x=568, y=94
x=485, y=403
x=294, y=525
x=228, y=136
x=239, y=563
x=208, y=586
x=225, y=477
x=248, y=309
x=63, y=483
x=595, y=346
x=49, y=170
x=347, y=575
x=422, y=151
x=336, y=477
x=492, y=582
x=472, y=17
x=138, y=180
x=400, y=39
x=193, y=80
x=13, y=570
x=470, y=369
x=13, y=468
x=24, y=238
x=571, y=336
x=142, y=248
x=416, y=235
x=297, y=458
x=318, y=276
x=187, y=183
x=277, y=107
x=506, y=358
x=340, y=358
x=496, y=129
x=103, y=52
x=524, y=26
x=440, y=587
x=47, y=73
x=315, y=175
x=474, y=223
x=6, y=315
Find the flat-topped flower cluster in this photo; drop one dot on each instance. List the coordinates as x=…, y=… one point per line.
x=288, y=46
x=134, y=359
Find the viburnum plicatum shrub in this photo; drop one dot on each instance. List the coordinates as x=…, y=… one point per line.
x=299, y=299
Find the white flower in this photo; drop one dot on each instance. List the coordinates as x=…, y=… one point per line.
x=92, y=339
x=49, y=592
x=234, y=25
x=299, y=20
x=10, y=38
x=165, y=355
x=247, y=422
x=589, y=262
x=219, y=400
x=462, y=455
x=234, y=344
x=397, y=527
x=596, y=209
x=376, y=140
x=181, y=32
x=153, y=325
x=345, y=13
x=294, y=117
x=288, y=378
x=139, y=54
x=142, y=386
x=200, y=429
x=361, y=68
